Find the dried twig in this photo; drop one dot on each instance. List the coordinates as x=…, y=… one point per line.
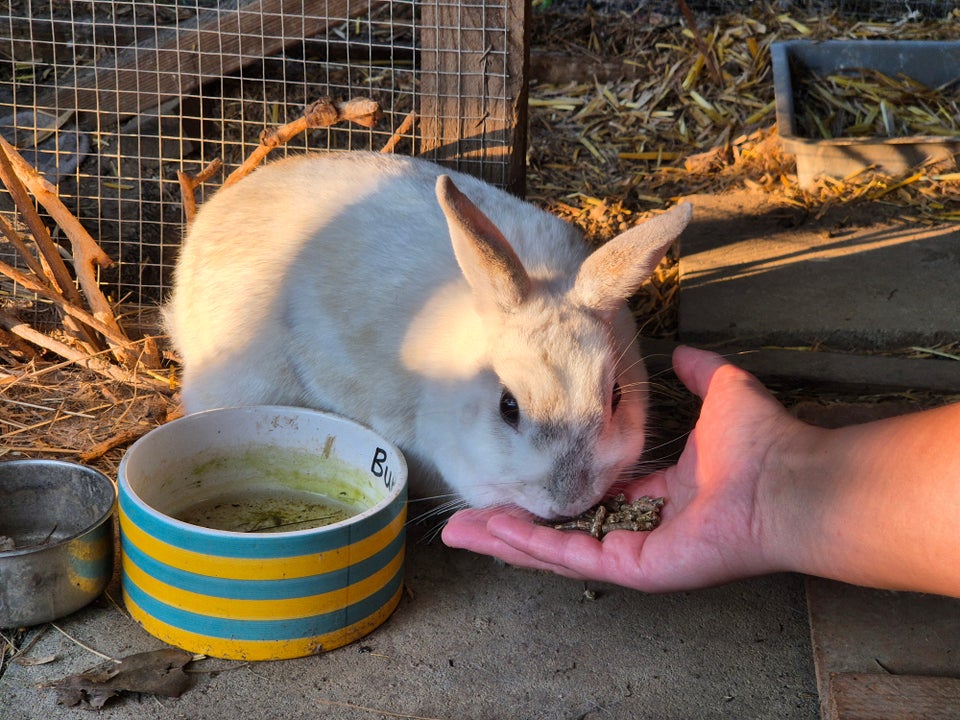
x=50, y=265
x=95, y=362
x=13, y=237
x=405, y=127
x=375, y=711
x=76, y=642
x=322, y=113
x=124, y=437
x=10, y=342
x=701, y=45
x=12, y=177
x=190, y=183
x=109, y=331
x=24, y=649
x=87, y=254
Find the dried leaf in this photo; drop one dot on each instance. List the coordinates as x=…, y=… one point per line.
x=32, y=661
x=159, y=672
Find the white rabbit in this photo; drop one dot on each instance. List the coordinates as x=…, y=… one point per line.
x=474, y=332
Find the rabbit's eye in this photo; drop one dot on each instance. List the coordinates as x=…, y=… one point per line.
x=509, y=408
x=617, y=393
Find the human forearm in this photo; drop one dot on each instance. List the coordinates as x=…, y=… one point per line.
x=875, y=504
x=756, y=491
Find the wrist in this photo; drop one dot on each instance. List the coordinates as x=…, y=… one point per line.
x=790, y=498
x=873, y=504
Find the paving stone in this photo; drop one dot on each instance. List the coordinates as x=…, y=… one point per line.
x=756, y=271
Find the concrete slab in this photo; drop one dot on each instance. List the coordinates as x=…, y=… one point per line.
x=475, y=639
x=756, y=271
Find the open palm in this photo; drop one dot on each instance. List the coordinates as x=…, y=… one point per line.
x=713, y=529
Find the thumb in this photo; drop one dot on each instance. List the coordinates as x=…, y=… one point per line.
x=696, y=368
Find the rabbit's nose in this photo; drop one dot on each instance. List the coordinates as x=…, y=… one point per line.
x=572, y=488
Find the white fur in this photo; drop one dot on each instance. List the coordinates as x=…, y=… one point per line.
x=330, y=281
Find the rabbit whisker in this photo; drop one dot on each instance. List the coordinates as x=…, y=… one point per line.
x=440, y=513
x=660, y=373
x=430, y=536
x=646, y=323
x=454, y=503
x=432, y=498
x=668, y=443
x=643, y=467
x=627, y=347
x=638, y=386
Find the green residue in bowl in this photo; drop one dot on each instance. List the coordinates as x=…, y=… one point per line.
x=270, y=489
x=274, y=510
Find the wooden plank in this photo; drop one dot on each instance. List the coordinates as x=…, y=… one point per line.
x=55, y=40
x=473, y=88
x=861, y=631
x=874, y=696
x=214, y=43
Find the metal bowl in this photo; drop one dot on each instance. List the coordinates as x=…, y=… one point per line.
x=56, y=539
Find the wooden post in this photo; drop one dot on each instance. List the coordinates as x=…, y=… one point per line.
x=473, y=87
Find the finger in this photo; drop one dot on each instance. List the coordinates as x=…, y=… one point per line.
x=467, y=529
x=695, y=368
x=699, y=368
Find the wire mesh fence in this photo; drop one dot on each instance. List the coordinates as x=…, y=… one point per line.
x=129, y=93
x=110, y=99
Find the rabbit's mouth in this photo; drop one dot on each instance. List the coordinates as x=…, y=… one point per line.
x=575, y=483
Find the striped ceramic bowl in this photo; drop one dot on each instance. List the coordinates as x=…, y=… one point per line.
x=261, y=533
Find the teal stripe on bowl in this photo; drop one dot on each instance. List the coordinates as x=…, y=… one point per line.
x=92, y=558
x=250, y=630
x=254, y=545
x=283, y=589
x=94, y=569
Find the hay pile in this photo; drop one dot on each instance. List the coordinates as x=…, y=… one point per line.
x=636, y=100
x=627, y=113
x=630, y=112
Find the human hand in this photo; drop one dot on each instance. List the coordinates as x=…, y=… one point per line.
x=715, y=523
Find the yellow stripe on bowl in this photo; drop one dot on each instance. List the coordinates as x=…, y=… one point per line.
x=260, y=568
x=270, y=609
x=245, y=649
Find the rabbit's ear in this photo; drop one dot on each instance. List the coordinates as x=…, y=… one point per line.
x=487, y=260
x=617, y=269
